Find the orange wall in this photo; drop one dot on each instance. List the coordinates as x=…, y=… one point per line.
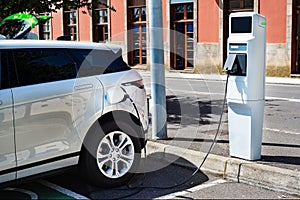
x=117, y=21
x=208, y=21
x=84, y=24
x=57, y=24
x=275, y=13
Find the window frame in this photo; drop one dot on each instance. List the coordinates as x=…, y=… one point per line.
x=100, y=29
x=67, y=26
x=242, y=6
x=45, y=29
x=186, y=60
x=138, y=55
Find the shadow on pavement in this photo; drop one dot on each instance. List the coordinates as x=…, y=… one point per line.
x=160, y=178
x=281, y=145
x=281, y=159
x=192, y=110
x=196, y=140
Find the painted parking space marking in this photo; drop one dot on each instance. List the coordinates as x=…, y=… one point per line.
x=193, y=189
x=62, y=190
x=40, y=189
x=282, y=131
x=195, y=92
x=18, y=193
x=222, y=94
x=283, y=99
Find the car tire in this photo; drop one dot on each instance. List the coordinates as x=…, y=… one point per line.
x=111, y=154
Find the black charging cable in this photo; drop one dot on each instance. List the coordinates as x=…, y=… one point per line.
x=207, y=154
x=141, y=187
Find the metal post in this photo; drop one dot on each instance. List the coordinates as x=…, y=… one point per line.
x=158, y=90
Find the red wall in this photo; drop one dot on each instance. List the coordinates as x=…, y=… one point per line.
x=164, y=18
x=275, y=13
x=208, y=21
x=57, y=24
x=117, y=21
x=84, y=24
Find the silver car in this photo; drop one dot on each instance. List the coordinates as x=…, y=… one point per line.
x=67, y=103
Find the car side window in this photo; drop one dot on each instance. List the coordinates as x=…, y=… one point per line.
x=86, y=64
x=96, y=62
x=117, y=65
x=34, y=66
x=4, y=80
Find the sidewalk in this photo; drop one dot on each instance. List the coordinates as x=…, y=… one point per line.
x=279, y=168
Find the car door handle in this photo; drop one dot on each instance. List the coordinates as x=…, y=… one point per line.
x=83, y=87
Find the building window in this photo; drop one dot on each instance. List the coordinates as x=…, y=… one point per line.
x=182, y=22
x=45, y=30
x=70, y=23
x=100, y=23
x=240, y=4
x=137, y=38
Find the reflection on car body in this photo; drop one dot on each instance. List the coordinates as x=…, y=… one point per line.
x=56, y=114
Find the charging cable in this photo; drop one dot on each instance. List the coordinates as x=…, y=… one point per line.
x=207, y=154
x=142, y=186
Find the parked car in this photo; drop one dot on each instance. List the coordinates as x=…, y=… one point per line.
x=68, y=103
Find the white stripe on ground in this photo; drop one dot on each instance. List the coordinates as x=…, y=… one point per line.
x=215, y=93
x=28, y=192
x=194, y=92
x=62, y=190
x=281, y=131
x=283, y=99
x=193, y=189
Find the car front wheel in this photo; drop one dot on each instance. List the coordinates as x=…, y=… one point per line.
x=111, y=154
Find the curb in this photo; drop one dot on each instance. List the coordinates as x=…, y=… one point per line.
x=274, y=178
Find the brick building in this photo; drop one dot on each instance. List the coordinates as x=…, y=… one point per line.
x=203, y=26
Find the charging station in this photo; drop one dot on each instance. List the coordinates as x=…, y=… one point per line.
x=246, y=66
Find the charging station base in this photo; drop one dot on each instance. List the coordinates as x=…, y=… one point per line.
x=245, y=121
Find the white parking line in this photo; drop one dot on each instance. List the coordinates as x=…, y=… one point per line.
x=215, y=93
x=281, y=131
x=62, y=190
x=193, y=189
x=283, y=99
x=33, y=196
x=194, y=92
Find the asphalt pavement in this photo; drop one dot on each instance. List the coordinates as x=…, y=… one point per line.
x=278, y=169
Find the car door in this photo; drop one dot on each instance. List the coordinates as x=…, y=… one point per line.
x=46, y=138
x=7, y=143
x=52, y=108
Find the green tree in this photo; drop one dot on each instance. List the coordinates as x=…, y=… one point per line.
x=8, y=7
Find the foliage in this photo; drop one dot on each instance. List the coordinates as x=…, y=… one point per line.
x=8, y=7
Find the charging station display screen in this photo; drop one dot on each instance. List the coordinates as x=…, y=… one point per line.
x=241, y=24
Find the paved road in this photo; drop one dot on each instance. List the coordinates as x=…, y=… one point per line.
x=69, y=185
x=199, y=102
x=282, y=101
